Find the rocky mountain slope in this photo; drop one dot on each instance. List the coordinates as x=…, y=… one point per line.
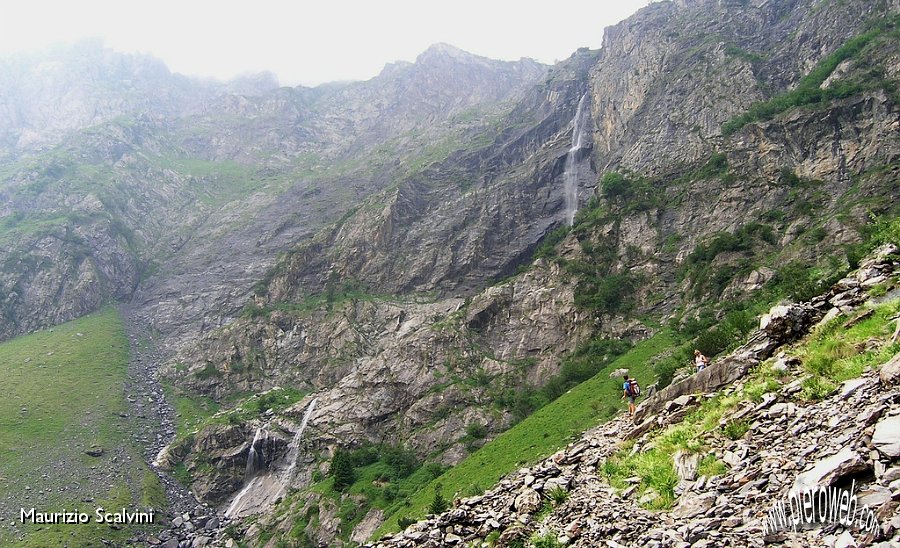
x=849, y=435
x=405, y=252
x=690, y=215
x=146, y=196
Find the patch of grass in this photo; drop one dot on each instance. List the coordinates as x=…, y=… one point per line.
x=735, y=430
x=182, y=475
x=816, y=388
x=540, y=434
x=808, y=91
x=558, y=495
x=833, y=354
x=711, y=466
x=547, y=540
x=711, y=411
x=734, y=51
x=755, y=391
x=653, y=467
x=191, y=410
x=195, y=411
x=152, y=493
x=63, y=393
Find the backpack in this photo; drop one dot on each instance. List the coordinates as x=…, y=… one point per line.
x=634, y=389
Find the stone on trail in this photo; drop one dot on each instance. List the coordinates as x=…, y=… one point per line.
x=887, y=436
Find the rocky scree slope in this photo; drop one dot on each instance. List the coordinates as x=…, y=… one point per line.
x=790, y=440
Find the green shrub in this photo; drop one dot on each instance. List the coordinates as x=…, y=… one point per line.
x=607, y=295
x=558, y=495
x=476, y=430
x=631, y=193
x=548, y=540
x=755, y=391
x=711, y=466
x=363, y=456
x=548, y=245
x=474, y=490
x=735, y=430
x=816, y=388
x=434, y=469
x=802, y=282
x=209, y=371
x=402, y=461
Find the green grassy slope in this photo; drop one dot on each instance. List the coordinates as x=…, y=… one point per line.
x=62, y=394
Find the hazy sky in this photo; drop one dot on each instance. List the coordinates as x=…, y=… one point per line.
x=310, y=42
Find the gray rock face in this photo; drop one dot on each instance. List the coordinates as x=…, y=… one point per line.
x=647, y=99
x=400, y=351
x=887, y=436
x=64, y=274
x=890, y=371
x=528, y=501
x=199, y=239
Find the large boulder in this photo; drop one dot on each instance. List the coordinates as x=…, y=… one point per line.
x=528, y=501
x=890, y=371
x=887, y=436
x=786, y=323
x=693, y=505
x=829, y=470
x=686, y=464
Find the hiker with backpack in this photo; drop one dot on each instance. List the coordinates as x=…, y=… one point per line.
x=630, y=390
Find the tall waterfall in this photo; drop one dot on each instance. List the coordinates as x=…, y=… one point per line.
x=294, y=447
x=263, y=489
x=571, y=174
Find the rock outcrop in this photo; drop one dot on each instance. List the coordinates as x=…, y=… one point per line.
x=850, y=439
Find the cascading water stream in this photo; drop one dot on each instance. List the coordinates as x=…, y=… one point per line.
x=294, y=447
x=263, y=489
x=255, y=461
x=570, y=177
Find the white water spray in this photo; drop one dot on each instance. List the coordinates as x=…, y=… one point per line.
x=294, y=447
x=255, y=461
x=264, y=489
x=570, y=176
